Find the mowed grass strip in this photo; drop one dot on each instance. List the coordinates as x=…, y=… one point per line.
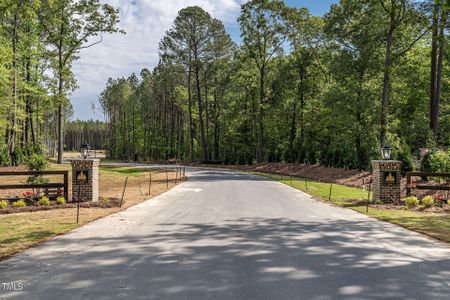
x=23, y=230
x=436, y=225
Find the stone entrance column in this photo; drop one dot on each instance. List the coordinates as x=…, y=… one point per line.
x=85, y=179
x=386, y=180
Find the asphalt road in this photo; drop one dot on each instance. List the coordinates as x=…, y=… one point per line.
x=225, y=235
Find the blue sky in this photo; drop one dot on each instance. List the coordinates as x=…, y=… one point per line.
x=145, y=22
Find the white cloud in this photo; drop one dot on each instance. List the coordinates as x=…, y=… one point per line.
x=145, y=22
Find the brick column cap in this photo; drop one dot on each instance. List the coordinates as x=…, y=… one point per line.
x=84, y=159
x=386, y=161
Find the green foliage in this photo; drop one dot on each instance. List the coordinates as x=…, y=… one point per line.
x=3, y=204
x=44, y=201
x=411, y=202
x=60, y=200
x=437, y=162
x=425, y=165
x=17, y=157
x=37, y=162
x=428, y=201
x=19, y=203
x=4, y=156
x=406, y=158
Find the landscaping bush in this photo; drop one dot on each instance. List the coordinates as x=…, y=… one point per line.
x=4, y=156
x=44, y=201
x=20, y=203
x=411, y=202
x=437, y=162
x=17, y=157
x=37, y=162
x=427, y=201
x=425, y=163
x=406, y=158
x=60, y=200
x=29, y=197
x=3, y=204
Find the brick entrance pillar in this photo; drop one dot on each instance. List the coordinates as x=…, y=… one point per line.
x=386, y=180
x=85, y=179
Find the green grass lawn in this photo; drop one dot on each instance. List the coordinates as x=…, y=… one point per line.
x=432, y=224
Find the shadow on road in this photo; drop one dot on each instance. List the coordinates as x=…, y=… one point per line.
x=249, y=258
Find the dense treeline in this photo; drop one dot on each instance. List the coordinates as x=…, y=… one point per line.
x=300, y=88
x=79, y=132
x=39, y=41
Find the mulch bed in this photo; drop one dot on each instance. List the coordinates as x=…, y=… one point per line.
x=110, y=203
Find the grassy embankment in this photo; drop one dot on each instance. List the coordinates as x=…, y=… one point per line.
x=436, y=225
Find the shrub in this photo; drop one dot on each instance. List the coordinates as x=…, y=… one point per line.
x=438, y=162
x=3, y=204
x=425, y=163
x=427, y=201
x=4, y=156
x=17, y=157
x=20, y=203
x=61, y=200
x=411, y=202
x=37, y=162
x=44, y=201
x=406, y=158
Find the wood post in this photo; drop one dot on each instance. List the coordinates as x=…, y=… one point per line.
x=150, y=184
x=329, y=196
x=368, y=197
x=167, y=179
x=123, y=192
x=78, y=204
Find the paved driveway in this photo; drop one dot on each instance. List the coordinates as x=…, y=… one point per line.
x=225, y=235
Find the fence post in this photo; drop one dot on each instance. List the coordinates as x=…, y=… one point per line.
x=368, y=196
x=329, y=196
x=66, y=186
x=78, y=205
x=167, y=179
x=150, y=184
x=176, y=174
x=123, y=192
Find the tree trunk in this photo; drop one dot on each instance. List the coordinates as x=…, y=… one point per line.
x=204, y=154
x=216, y=127
x=433, y=73
x=191, y=128
x=386, y=87
x=293, y=132
x=260, y=152
x=12, y=132
x=437, y=100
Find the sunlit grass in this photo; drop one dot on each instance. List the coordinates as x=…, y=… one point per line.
x=432, y=224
